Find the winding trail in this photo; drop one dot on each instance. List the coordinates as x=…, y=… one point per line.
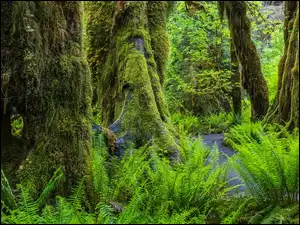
x=218, y=139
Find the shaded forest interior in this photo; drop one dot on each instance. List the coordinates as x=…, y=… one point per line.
x=150, y=112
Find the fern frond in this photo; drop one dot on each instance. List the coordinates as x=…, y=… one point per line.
x=58, y=175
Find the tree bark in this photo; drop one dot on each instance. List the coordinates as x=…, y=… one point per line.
x=236, y=85
x=252, y=77
x=285, y=107
x=54, y=90
x=128, y=61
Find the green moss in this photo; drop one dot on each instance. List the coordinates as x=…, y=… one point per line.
x=55, y=95
x=252, y=77
x=157, y=16
x=284, y=102
x=130, y=87
x=294, y=42
x=236, y=83
x=281, y=108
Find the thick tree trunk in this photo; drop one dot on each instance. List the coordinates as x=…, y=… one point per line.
x=285, y=107
x=6, y=16
x=128, y=66
x=54, y=94
x=236, y=83
x=252, y=77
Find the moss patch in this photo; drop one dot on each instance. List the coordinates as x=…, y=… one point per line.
x=132, y=100
x=55, y=98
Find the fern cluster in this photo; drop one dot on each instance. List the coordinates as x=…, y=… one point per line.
x=144, y=188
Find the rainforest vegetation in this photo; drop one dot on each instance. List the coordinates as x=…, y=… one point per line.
x=150, y=112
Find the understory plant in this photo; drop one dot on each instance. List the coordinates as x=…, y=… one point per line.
x=140, y=188
x=267, y=160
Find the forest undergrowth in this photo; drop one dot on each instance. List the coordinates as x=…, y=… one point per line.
x=143, y=188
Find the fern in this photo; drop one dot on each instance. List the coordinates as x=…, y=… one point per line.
x=58, y=175
x=28, y=208
x=105, y=214
x=269, y=165
x=6, y=194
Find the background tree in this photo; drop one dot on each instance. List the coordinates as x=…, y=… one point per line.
x=285, y=108
x=47, y=80
x=236, y=83
x=127, y=49
x=252, y=77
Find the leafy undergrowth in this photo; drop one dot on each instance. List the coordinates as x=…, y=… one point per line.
x=192, y=125
x=143, y=188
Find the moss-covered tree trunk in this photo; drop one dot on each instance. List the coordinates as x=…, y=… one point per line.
x=6, y=63
x=252, y=77
x=50, y=83
x=236, y=84
x=285, y=108
x=127, y=51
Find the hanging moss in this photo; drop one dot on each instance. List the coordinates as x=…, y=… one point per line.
x=56, y=95
x=252, y=78
x=135, y=110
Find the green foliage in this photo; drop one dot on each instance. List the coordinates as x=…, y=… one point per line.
x=262, y=26
x=198, y=76
x=215, y=123
x=64, y=210
x=268, y=161
x=17, y=126
x=99, y=173
x=270, y=60
x=185, y=124
x=58, y=174
x=267, y=35
x=191, y=125
x=144, y=188
x=6, y=193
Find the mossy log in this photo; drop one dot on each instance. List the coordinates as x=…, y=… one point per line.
x=127, y=54
x=285, y=109
x=253, y=80
x=48, y=81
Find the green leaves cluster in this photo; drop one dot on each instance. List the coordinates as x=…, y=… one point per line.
x=198, y=70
